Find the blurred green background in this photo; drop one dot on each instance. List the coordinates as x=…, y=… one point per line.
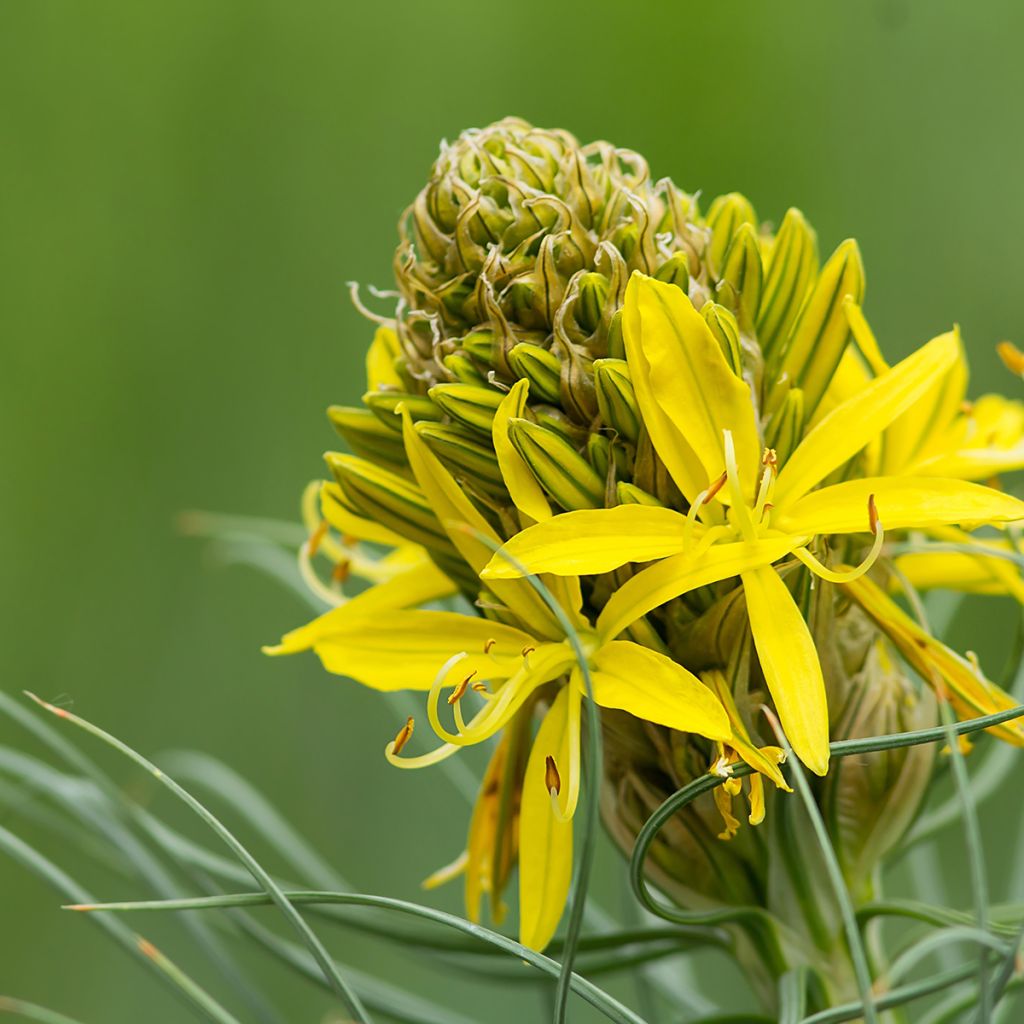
x=185, y=188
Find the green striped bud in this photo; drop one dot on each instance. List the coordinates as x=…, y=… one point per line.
x=630, y=494
x=482, y=345
x=740, y=285
x=470, y=461
x=725, y=216
x=468, y=404
x=822, y=331
x=540, y=367
x=786, y=426
x=727, y=332
x=554, y=419
x=464, y=369
x=789, y=273
x=393, y=501
x=366, y=435
x=676, y=270
x=593, y=294
x=616, y=399
x=563, y=473
x=384, y=405
x=616, y=344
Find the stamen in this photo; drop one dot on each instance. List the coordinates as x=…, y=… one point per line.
x=341, y=571
x=481, y=688
x=404, y=735
x=712, y=491
x=488, y=645
x=552, y=780
x=739, y=506
x=849, y=575
x=459, y=690
x=313, y=581
x=527, y=650
x=316, y=538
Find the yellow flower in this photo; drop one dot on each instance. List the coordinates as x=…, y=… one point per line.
x=706, y=428
x=379, y=640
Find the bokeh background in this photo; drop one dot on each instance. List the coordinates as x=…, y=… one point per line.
x=185, y=188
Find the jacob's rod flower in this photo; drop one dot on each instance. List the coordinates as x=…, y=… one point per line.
x=703, y=423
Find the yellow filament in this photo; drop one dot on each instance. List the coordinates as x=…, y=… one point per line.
x=327, y=594
x=849, y=575
x=739, y=507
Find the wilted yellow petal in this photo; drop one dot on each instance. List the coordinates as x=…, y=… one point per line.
x=689, y=378
x=851, y=425
x=970, y=693
x=661, y=582
x=590, y=541
x=902, y=503
x=656, y=689
x=545, y=838
x=404, y=649
x=790, y=664
x=526, y=493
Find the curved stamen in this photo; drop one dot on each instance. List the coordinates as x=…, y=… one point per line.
x=849, y=575
x=422, y=760
x=309, y=576
x=767, y=484
x=564, y=801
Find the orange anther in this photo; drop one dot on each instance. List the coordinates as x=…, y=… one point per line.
x=341, y=571
x=317, y=536
x=488, y=644
x=404, y=735
x=459, y=690
x=872, y=514
x=552, y=780
x=715, y=488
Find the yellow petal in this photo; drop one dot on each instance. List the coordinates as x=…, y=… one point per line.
x=545, y=838
x=657, y=689
x=790, y=664
x=590, y=541
x=380, y=361
x=927, y=419
x=468, y=530
x=674, y=450
x=970, y=693
x=851, y=425
x=527, y=494
x=404, y=649
x=980, y=573
x=669, y=345
x=902, y=503
x=483, y=834
x=661, y=582
x=973, y=463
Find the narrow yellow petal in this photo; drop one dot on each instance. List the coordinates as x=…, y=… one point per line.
x=526, y=493
x=590, y=541
x=657, y=689
x=674, y=450
x=902, y=503
x=690, y=378
x=981, y=573
x=468, y=530
x=545, y=839
x=790, y=664
x=380, y=361
x=851, y=425
x=661, y=582
x=404, y=649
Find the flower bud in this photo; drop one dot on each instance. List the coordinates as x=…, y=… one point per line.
x=540, y=367
x=470, y=462
x=725, y=216
x=786, y=426
x=790, y=270
x=467, y=404
x=739, y=287
x=615, y=397
x=384, y=405
x=366, y=435
x=727, y=332
x=563, y=473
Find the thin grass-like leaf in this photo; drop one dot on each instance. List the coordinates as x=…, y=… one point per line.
x=323, y=958
x=609, y=1006
x=181, y=984
x=31, y=1011
x=855, y=945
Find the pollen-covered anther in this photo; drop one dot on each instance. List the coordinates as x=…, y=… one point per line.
x=722, y=767
x=527, y=650
x=873, y=522
x=1011, y=356
x=341, y=571
x=552, y=780
x=488, y=644
x=404, y=735
x=317, y=536
x=459, y=690
x=770, y=458
x=480, y=687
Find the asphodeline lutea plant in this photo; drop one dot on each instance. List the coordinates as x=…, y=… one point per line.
x=681, y=422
